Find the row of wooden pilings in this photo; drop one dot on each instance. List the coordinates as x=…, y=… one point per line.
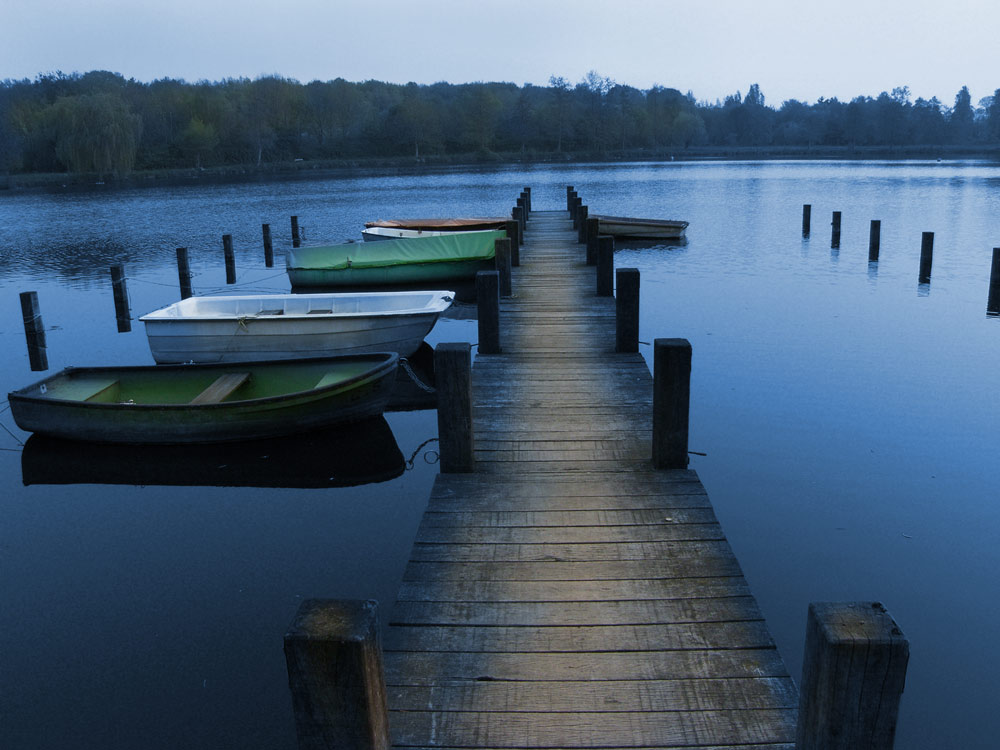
x=926, y=253
x=855, y=657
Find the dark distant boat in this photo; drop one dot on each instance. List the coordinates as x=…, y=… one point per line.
x=342, y=456
x=205, y=403
x=442, y=225
x=627, y=228
x=421, y=260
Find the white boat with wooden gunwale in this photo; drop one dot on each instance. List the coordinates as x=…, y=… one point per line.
x=377, y=234
x=627, y=228
x=285, y=326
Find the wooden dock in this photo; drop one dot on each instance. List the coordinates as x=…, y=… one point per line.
x=567, y=594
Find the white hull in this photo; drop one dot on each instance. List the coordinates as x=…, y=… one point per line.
x=291, y=326
x=375, y=234
x=640, y=229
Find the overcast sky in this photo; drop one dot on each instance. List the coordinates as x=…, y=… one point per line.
x=795, y=49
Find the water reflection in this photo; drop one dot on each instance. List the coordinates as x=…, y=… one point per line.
x=344, y=456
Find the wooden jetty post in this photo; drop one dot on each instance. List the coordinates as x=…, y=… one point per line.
x=296, y=242
x=268, y=246
x=926, y=256
x=34, y=332
x=334, y=660
x=522, y=203
x=184, y=272
x=570, y=191
x=605, y=265
x=227, y=249
x=671, y=402
x=874, y=240
x=119, y=291
x=517, y=213
x=993, y=301
x=593, y=233
x=806, y=218
x=502, y=259
x=453, y=372
x=527, y=195
x=627, y=310
x=581, y=224
x=514, y=234
x=853, y=674
x=835, y=235
x=575, y=210
x=488, y=303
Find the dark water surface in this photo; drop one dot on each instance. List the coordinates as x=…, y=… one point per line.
x=850, y=416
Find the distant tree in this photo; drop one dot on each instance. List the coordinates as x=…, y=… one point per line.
x=199, y=139
x=559, y=107
x=960, y=122
x=993, y=117
x=95, y=133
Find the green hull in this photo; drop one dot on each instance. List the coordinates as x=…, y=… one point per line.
x=165, y=403
x=421, y=260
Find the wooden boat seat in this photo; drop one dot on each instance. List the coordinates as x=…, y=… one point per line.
x=329, y=379
x=85, y=389
x=319, y=312
x=222, y=388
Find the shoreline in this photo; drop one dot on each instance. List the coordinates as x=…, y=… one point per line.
x=302, y=169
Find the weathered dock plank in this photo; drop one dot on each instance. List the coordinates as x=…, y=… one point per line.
x=567, y=594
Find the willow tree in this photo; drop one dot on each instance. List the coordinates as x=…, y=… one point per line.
x=95, y=133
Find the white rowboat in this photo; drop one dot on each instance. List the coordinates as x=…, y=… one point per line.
x=291, y=326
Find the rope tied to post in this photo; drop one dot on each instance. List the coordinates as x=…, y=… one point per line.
x=405, y=364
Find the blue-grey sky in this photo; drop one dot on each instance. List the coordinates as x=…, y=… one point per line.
x=797, y=49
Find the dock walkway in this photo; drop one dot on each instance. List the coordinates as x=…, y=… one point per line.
x=567, y=594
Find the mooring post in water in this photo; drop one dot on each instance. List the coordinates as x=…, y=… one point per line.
x=605, y=265
x=501, y=257
x=227, y=250
x=835, y=235
x=184, y=272
x=926, y=256
x=671, y=402
x=593, y=235
x=123, y=315
x=296, y=242
x=453, y=373
x=993, y=301
x=627, y=310
x=513, y=234
x=581, y=224
x=488, y=304
x=853, y=673
x=874, y=240
x=334, y=659
x=806, y=218
x=268, y=246
x=517, y=213
x=34, y=332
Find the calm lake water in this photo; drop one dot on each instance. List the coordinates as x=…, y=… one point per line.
x=849, y=416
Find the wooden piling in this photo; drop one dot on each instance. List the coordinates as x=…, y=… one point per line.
x=577, y=202
x=570, y=191
x=456, y=441
x=334, y=660
x=671, y=402
x=123, y=315
x=835, y=234
x=527, y=195
x=488, y=303
x=227, y=249
x=184, y=272
x=296, y=242
x=627, y=310
x=517, y=213
x=581, y=225
x=522, y=203
x=605, y=265
x=34, y=332
x=514, y=234
x=853, y=673
x=993, y=301
x=874, y=240
x=502, y=259
x=593, y=234
x=268, y=246
x=806, y=218
x=926, y=256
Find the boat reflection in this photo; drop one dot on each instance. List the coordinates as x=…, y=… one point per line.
x=341, y=456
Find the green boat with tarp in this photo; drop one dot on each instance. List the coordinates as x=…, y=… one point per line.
x=420, y=260
x=205, y=403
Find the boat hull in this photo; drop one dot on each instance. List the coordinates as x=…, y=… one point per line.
x=243, y=329
x=641, y=229
x=412, y=273
x=152, y=405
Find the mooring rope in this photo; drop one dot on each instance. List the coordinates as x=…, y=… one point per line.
x=413, y=456
x=405, y=364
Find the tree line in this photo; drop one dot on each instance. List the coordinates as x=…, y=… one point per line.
x=100, y=122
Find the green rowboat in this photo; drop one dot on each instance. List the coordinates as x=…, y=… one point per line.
x=419, y=260
x=205, y=403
